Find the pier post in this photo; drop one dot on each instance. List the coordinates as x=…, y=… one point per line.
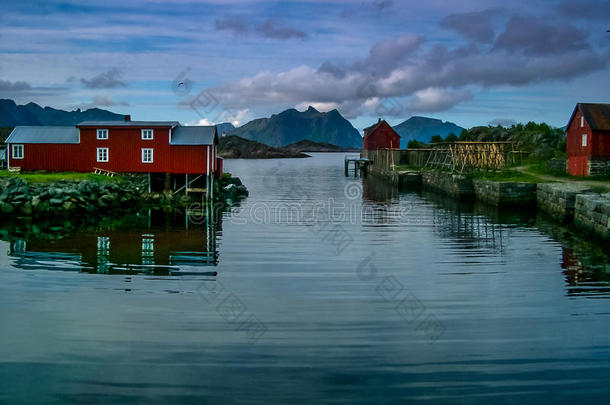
x=207, y=187
x=168, y=182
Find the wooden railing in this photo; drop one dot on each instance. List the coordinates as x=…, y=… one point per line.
x=103, y=172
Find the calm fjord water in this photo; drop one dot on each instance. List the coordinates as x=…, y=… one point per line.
x=328, y=290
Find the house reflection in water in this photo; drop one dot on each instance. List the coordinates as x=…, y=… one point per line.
x=167, y=246
x=587, y=272
x=374, y=190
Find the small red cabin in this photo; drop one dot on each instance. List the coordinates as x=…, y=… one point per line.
x=380, y=136
x=588, y=140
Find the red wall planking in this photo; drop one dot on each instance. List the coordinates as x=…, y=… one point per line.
x=384, y=137
x=578, y=155
x=598, y=145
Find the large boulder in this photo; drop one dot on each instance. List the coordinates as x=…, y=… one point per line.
x=6, y=208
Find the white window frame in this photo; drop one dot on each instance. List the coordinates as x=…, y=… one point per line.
x=152, y=159
x=582, y=121
x=584, y=140
x=98, y=150
x=101, y=134
x=146, y=138
x=17, y=147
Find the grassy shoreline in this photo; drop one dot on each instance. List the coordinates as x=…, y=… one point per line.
x=47, y=177
x=512, y=176
x=530, y=173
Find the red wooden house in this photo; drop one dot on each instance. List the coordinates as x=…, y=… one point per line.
x=155, y=147
x=380, y=136
x=588, y=140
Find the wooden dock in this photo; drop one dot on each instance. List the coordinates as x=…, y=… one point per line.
x=359, y=163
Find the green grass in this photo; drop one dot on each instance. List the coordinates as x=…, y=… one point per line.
x=401, y=168
x=505, y=176
x=594, y=178
x=500, y=176
x=44, y=177
x=540, y=168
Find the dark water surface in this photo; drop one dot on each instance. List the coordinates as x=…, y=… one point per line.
x=315, y=289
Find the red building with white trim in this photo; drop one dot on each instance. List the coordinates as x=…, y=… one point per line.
x=154, y=147
x=588, y=140
x=118, y=146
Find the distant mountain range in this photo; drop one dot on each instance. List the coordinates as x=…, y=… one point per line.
x=286, y=128
x=12, y=115
x=422, y=129
x=292, y=126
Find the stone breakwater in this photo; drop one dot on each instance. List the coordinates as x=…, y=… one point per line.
x=72, y=199
x=406, y=178
x=559, y=199
x=565, y=202
x=592, y=213
x=455, y=185
x=505, y=193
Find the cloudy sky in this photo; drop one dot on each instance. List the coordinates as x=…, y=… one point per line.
x=472, y=62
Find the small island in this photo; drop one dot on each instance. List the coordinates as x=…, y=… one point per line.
x=235, y=147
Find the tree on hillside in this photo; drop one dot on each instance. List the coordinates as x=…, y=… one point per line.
x=451, y=138
x=415, y=144
x=465, y=135
x=541, y=140
x=436, y=139
x=5, y=132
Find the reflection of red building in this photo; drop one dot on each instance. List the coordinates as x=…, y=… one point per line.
x=160, y=249
x=588, y=140
x=380, y=136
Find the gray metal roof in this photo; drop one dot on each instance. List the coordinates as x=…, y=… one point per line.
x=193, y=135
x=43, y=134
x=128, y=124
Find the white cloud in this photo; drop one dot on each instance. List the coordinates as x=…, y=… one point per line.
x=436, y=99
x=237, y=118
x=206, y=122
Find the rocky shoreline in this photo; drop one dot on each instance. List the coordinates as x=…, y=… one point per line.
x=88, y=198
